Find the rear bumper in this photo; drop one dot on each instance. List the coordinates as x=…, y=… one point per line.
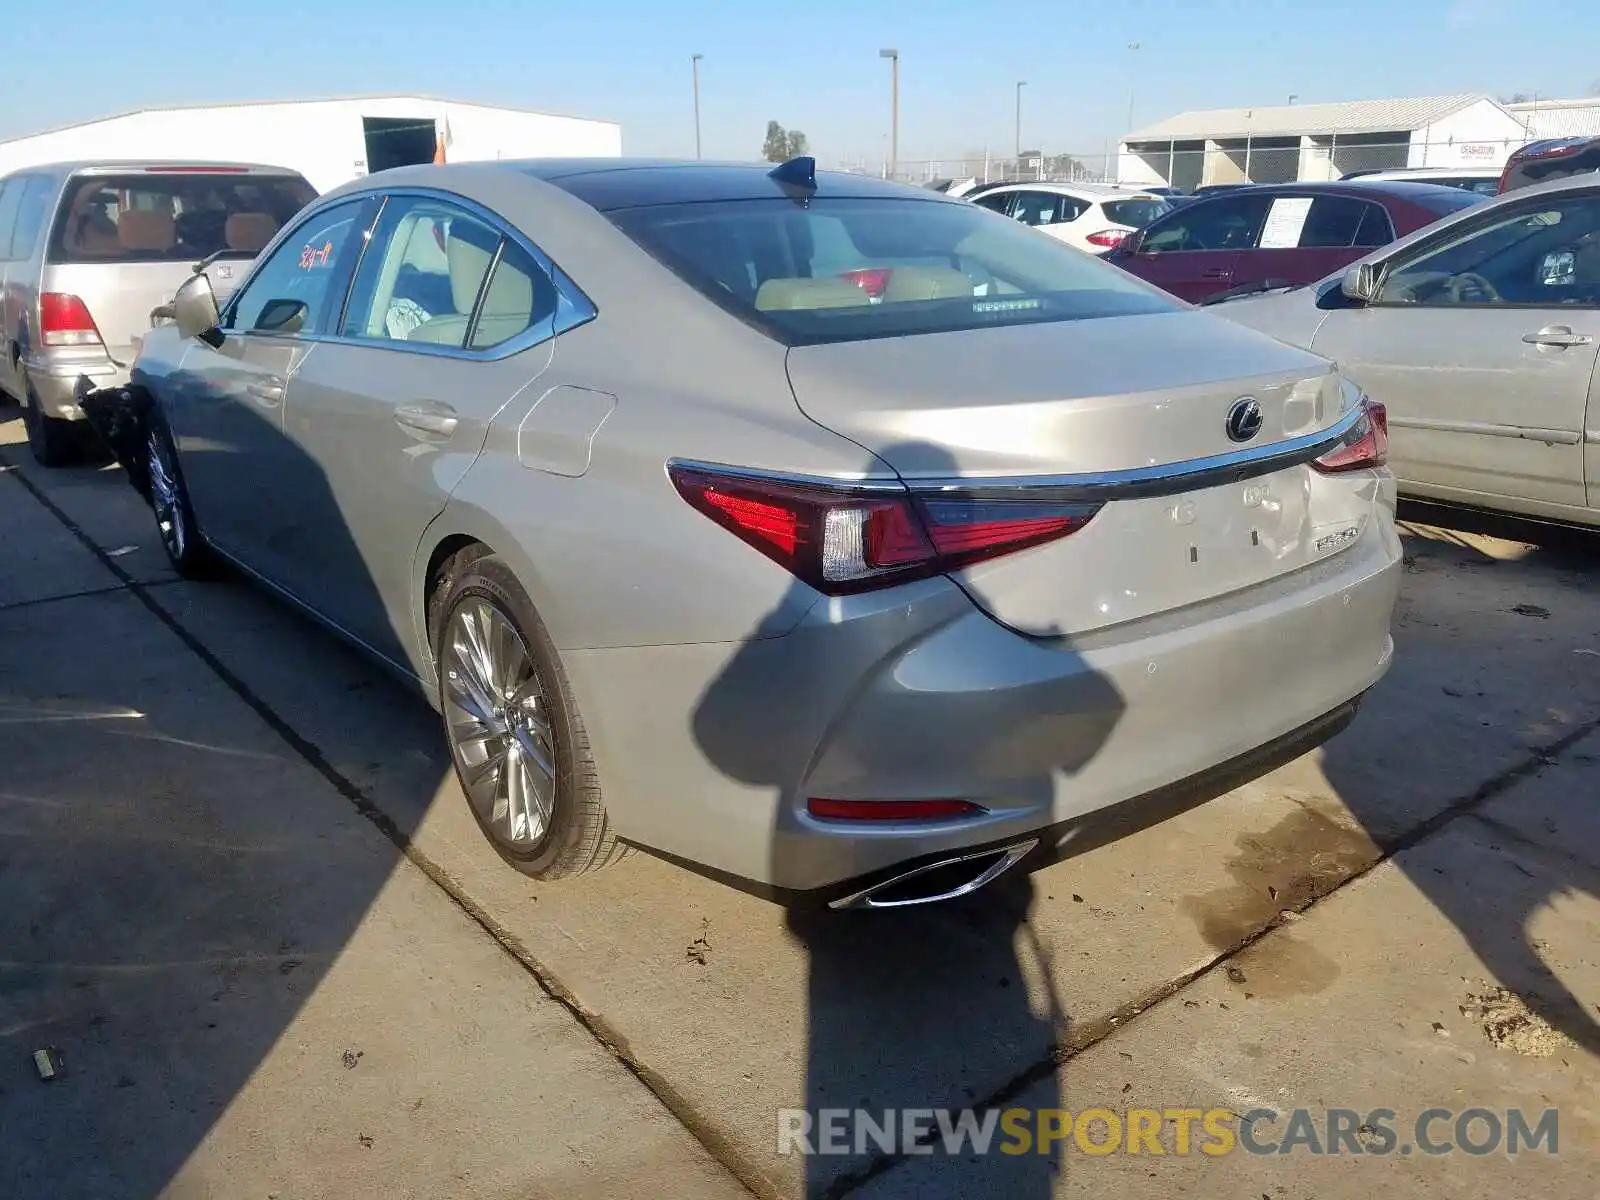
x=55, y=382
x=925, y=696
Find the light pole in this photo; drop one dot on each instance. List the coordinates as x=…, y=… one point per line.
x=694, y=64
x=1021, y=83
x=893, y=56
x=1133, y=49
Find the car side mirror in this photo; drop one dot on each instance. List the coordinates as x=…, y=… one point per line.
x=194, y=309
x=282, y=316
x=1360, y=283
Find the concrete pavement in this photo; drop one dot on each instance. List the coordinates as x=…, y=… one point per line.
x=1032, y=994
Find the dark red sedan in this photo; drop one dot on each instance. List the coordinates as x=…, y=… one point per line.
x=1279, y=234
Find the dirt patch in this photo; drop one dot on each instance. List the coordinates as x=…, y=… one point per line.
x=1510, y=1024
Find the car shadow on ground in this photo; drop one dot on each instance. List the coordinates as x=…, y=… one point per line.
x=889, y=990
x=178, y=877
x=1534, y=708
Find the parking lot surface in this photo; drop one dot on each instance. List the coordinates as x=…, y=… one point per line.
x=242, y=900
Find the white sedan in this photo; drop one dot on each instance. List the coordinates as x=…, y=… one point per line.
x=1088, y=216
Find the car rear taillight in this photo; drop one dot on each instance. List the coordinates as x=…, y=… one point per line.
x=891, y=810
x=64, y=320
x=1364, y=447
x=842, y=538
x=874, y=281
x=1107, y=238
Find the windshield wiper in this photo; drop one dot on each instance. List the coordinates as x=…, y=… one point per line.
x=1250, y=289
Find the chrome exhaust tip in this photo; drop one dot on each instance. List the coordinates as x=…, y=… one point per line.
x=902, y=891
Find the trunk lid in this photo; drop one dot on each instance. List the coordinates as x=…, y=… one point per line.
x=1032, y=403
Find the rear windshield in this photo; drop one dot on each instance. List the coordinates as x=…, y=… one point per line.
x=1135, y=213
x=1447, y=199
x=846, y=269
x=150, y=217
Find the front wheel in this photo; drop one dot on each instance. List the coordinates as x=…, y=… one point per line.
x=518, y=744
x=169, y=498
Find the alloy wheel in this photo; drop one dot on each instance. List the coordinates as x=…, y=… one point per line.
x=166, y=497
x=498, y=721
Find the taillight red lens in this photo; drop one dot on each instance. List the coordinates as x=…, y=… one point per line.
x=874, y=281
x=842, y=538
x=64, y=320
x=1366, y=446
x=1107, y=238
x=891, y=810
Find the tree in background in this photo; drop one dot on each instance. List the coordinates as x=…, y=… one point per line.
x=782, y=144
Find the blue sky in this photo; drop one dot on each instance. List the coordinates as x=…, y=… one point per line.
x=812, y=65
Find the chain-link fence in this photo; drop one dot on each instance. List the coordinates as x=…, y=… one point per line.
x=1190, y=165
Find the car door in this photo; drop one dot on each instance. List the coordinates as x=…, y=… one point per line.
x=225, y=403
x=1482, y=343
x=1193, y=252
x=450, y=315
x=1307, y=237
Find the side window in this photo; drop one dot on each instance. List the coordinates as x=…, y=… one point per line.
x=1335, y=221
x=296, y=288
x=1543, y=254
x=10, y=202
x=422, y=274
x=1000, y=203
x=519, y=296
x=31, y=214
x=1226, y=223
x=1038, y=208
x=1376, y=228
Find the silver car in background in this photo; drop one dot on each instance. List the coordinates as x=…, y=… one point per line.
x=88, y=249
x=843, y=540
x=1480, y=335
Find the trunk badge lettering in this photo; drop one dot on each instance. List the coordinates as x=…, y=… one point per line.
x=1183, y=512
x=1244, y=419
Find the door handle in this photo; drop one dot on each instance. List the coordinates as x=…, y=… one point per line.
x=432, y=421
x=268, y=394
x=1216, y=273
x=1557, y=335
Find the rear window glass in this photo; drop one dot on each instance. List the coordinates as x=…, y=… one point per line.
x=842, y=270
x=1447, y=199
x=1135, y=213
x=175, y=217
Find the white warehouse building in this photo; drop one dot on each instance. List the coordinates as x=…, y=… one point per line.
x=1295, y=142
x=328, y=141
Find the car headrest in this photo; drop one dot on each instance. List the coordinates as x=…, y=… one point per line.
x=249, y=230
x=138, y=229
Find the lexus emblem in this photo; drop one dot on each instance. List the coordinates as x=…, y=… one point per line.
x=1244, y=419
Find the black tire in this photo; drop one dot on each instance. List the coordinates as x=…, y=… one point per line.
x=578, y=838
x=52, y=441
x=169, y=501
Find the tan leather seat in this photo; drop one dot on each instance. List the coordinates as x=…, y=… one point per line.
x=788, y=295
x=249, y=231
x=469, y=262
x=151, y=232
x=507, y=305
x=927, y=283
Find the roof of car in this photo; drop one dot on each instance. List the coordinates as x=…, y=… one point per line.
x=610, y=183
x=1098, y=190
x=112, y=166
x=1400, y=189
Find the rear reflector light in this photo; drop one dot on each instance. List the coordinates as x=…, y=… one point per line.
x=874, y=281
x=1107, y=237
x=891, y=810
x=842, y=538
x=1364, y=447
x=64, y=320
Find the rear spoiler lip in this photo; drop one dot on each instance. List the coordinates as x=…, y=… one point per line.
x=1166, y=479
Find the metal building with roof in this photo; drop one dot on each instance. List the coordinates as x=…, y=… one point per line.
x=1319, y=141
x=1559, y=118
x=329, y=141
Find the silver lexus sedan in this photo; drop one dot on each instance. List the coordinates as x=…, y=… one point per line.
x=847, y=542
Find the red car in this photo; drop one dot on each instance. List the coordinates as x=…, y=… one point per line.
x=1279, y=235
